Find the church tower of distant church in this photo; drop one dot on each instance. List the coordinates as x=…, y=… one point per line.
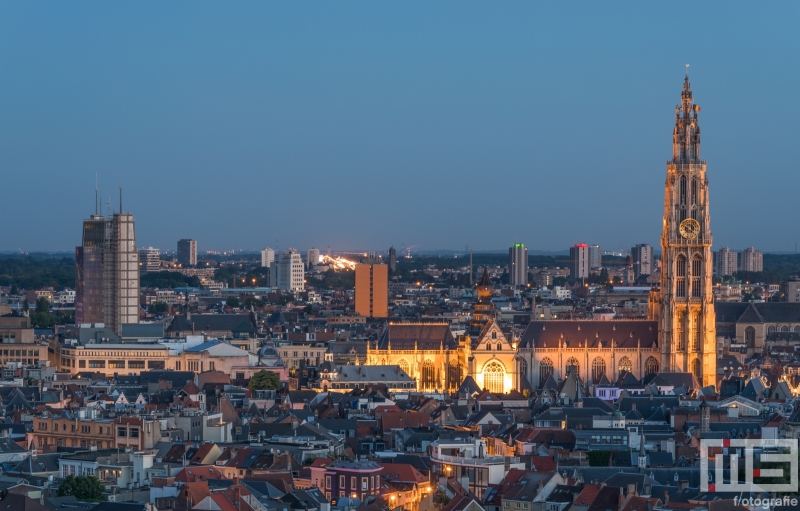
x=686, y=303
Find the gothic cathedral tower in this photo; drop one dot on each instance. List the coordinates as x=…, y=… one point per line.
x=687, y=320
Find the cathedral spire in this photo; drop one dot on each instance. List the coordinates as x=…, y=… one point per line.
x=686, y=136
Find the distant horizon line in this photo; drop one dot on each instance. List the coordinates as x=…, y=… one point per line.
x=431, y=252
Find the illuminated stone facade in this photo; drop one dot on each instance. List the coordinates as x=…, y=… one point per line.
x=429, y=353
x=686, y=301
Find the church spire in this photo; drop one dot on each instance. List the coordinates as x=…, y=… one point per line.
x=686, y=136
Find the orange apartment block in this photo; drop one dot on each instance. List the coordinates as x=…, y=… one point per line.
x=372, y=290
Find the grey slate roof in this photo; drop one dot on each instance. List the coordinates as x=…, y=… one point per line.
x=423, y=336
x=626, y=334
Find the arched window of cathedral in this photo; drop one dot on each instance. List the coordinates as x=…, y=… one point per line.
x=383, y=361
x=545, y=370
x=797, y=329
x=771, y=330
x=488, y=345
x=680, y=272
x=697, y=369
x=598, y=369
x=680, y=319
x=650, y=366
x=683, y=190
x=625, y=365
x=494, y=334
x=403, y=365
x=429, y=375
x=494, y=377
x=499, y=345
x=694, y=191
x=453, y=375
x=523, y=368
x=784, y=329
x=695, y=332
x=697, y=270
x=573, y=365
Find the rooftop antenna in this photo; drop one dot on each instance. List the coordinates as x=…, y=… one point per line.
x=120, y=199
x=96, y=197
x=108, y=205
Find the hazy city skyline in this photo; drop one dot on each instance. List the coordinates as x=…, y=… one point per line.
x=434, y=126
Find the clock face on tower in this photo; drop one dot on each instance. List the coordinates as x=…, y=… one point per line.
x=690, y=228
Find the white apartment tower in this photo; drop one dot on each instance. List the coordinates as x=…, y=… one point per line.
x=595, y=256
x=267, y=257
x=149, y=260
x=313, y=257
x=642, y=256
x=288, y=272
x=579, y=261
x=727, y=262
x=518, y=265
x=752, y=260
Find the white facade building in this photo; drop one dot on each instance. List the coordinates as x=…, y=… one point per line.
x=642, y=256
x=752, y=260
x=267, y=257
x=727, y=262
x=312, y=257
x=149, y=260
x=288, y=272
x=518, y=265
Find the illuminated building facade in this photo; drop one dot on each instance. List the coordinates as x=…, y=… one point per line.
x=687, y=325
x=438, y=361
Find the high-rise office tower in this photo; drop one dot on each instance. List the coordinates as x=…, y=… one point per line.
x=288, y=272
x=149, y=260
x=89, y=271
x=642, y=256
x=312, y=257
x=752, y=260
x=392, y=259
x=518, y=265
x=727, y=262
x=686, y=303
x=107, y=272
x=267, y=257
x=372, y=290
x=595, y=257
x=579, y=261
x=187, y=252
x=121, y=273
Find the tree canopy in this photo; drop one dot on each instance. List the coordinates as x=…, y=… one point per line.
x=82, y=487
x=264, y=380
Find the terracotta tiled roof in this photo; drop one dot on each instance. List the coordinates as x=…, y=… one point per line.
x=391, y=421
x=588, y=495
x=194, y=474
x=543, y=463
x=402, y=473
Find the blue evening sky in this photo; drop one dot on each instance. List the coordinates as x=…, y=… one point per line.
x=365, y=124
